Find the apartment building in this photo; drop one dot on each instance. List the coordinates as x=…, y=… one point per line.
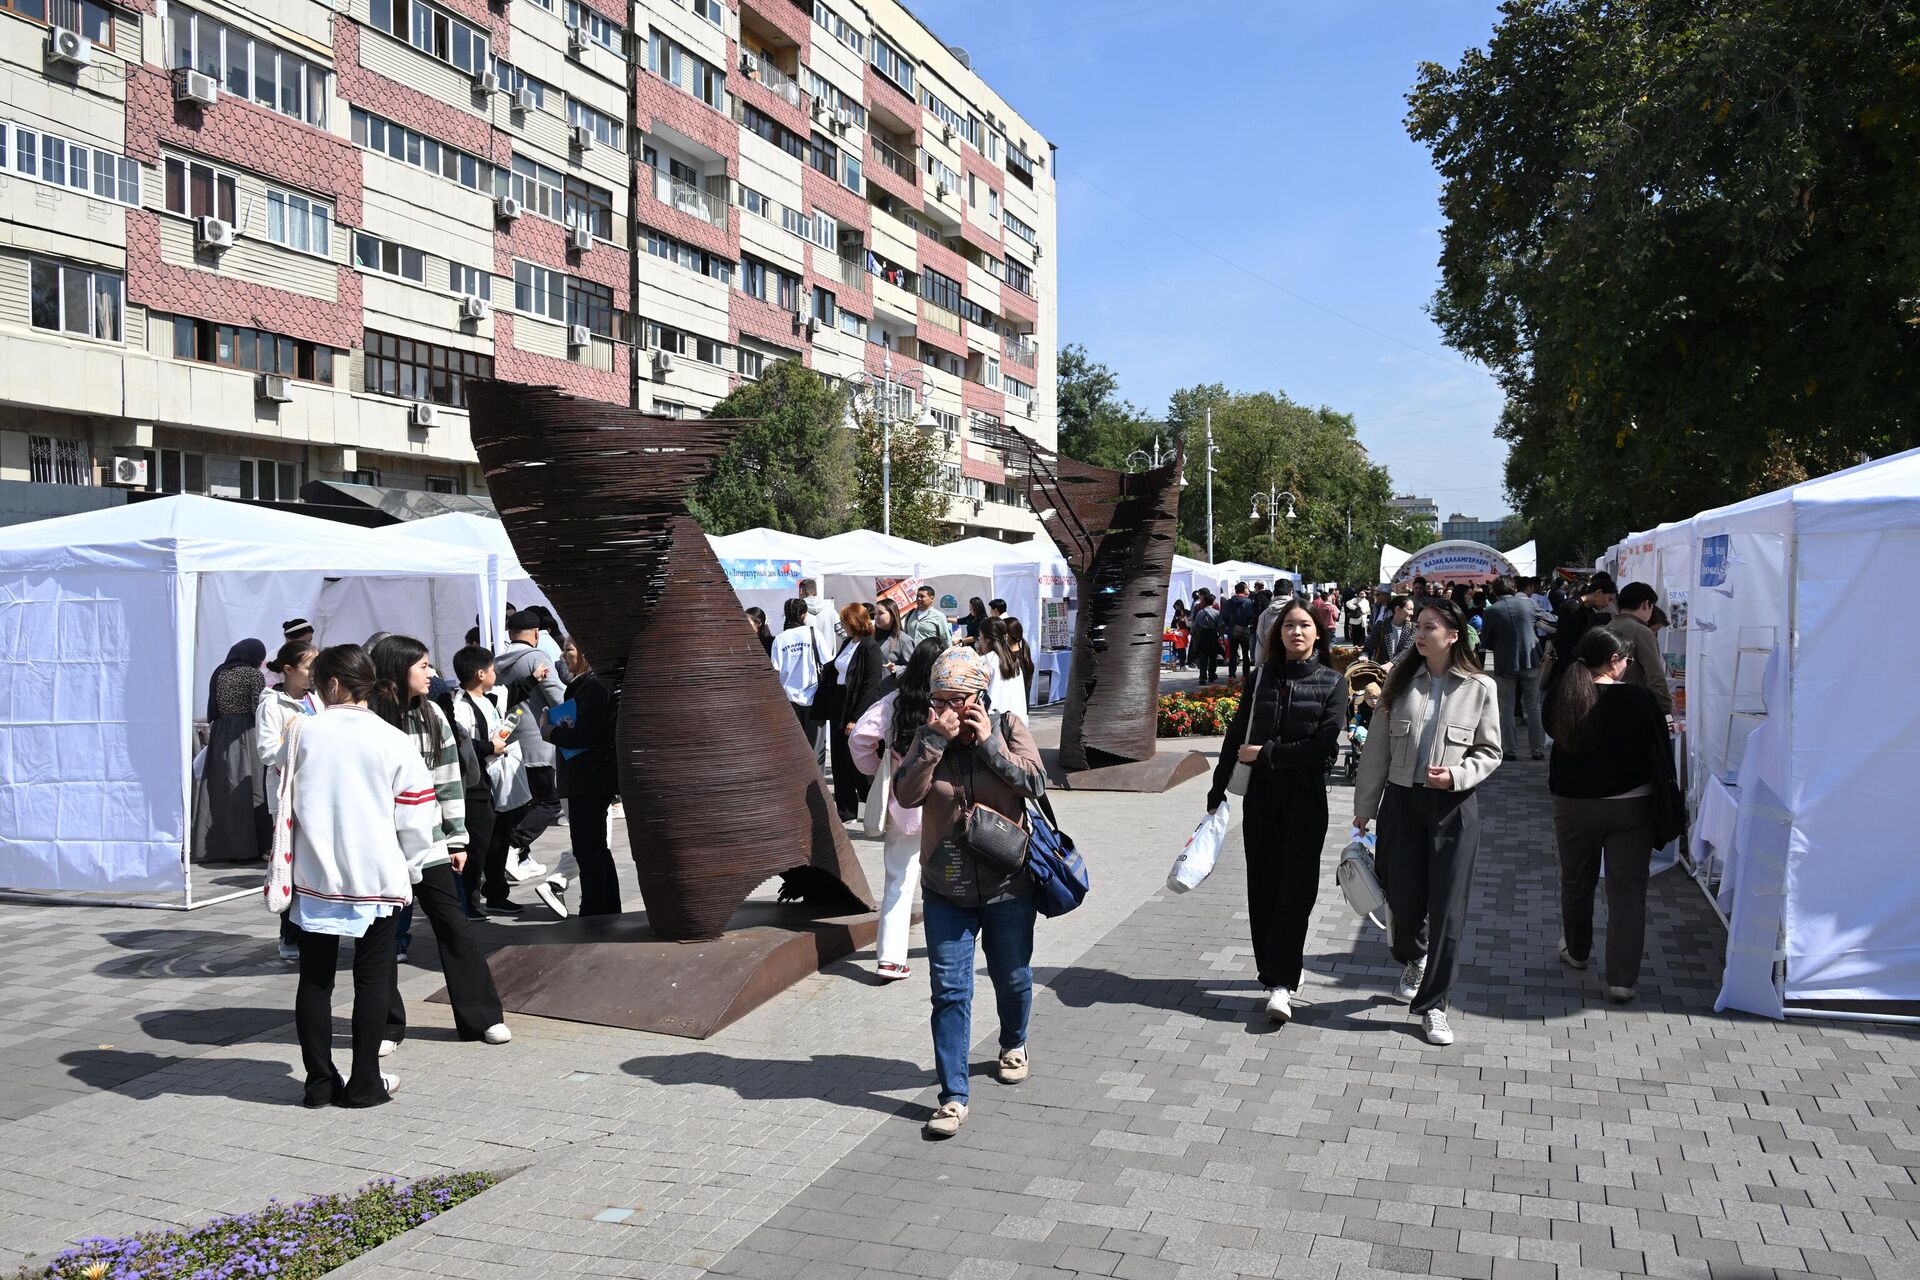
x=248, y=245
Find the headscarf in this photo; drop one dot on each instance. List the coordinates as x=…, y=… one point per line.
x=962, y=669
x=248, y=654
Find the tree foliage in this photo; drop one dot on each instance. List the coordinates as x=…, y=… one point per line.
x=791, y=467
x=1267, y=441
x=1096, y=425
x=919, y=506
x=1685, y=236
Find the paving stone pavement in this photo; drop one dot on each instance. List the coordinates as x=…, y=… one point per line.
x=1167, y=1130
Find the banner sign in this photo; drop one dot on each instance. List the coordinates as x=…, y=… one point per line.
x=762, y=575
x=1055, y=632
x=1715, y=552
x=1455, y=561
x=897, y=591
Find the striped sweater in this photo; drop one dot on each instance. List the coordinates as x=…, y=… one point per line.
x=449, y=806
x=363, y=819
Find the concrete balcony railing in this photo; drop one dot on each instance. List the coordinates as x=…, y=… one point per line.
x=690, y=200
x=757, y=69
x=893, y=160
x=941, y=318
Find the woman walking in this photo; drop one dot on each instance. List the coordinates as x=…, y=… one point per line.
x=1206, y=636
x=962, y=758
x=230, y=822
x=1017, y=646
x=889, y=726
x=1610, y=753
x=896, y=646
x=1007, y=691
x=589, y=780
x=278, y=708
x=362, y=824
x=858, y=669
x=402, y=676
x=1441, y=739
x=1287, y=731
x=796, y=656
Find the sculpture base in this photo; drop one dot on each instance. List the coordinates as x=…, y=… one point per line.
x=1162, y=773
x=613, y=971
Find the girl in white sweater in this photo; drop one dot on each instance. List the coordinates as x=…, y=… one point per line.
x=363, y=824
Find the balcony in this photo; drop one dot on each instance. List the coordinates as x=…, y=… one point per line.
x=893, y=160
x=846, y=271
x=756, y=68
x=690, y=200
x=940, y=317
x=1021, y=351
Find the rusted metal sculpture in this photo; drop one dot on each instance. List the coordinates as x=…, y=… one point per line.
x=721, y=790
x=1116, y=530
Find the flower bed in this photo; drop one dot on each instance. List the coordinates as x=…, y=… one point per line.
x=1203, y=713
x=294, y=1241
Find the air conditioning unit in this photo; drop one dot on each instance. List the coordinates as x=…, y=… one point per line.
x=747, y=64
x=195, y=86
x=212, y=233
x=274, y=387
x=844, y=118
x=819, y=109
x=474, y=307
x=946, y=132
x=941, y=191
x=424, y=415
x=487, y=83
x=663, y=361
x=523, y=100
x=507, y=208
x=576, y=41
x=1036, y=253
x=582, y=137
x=69, y=47
x=130, y=471
x=580, y=239
x=579, y=336
x=812, y=326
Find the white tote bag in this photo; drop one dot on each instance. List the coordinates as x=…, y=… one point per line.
x=1202, y=850
x=873, y=819
x=507, y=776
x=279, y=886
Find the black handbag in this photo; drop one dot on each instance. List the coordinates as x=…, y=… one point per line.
x=1668, y=803
x=988, y=834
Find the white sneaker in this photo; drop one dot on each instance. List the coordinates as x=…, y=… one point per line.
x=498, y=1033
x=1410, y=979
x=1566, y=957
x=290, y=953
x=392, y=1082
x=523, y=868
x=553, y=893
x=1280, y=1005
x=1434, y=1022
x=400, y=957
x=387, y=1048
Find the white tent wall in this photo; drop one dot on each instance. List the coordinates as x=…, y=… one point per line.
x=437, y=612
x=96, y=730
x=232, y=607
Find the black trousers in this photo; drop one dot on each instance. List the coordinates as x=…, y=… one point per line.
x=481, y=821
x=1206, y=654
x=373, y=970
x=1620, y=832
x=493, y=872
x=592, y=858
x=1239, y=650
x=850, y=786
x=470, y=989
x=1285, y=831
x=543, y=812
x=1425, y=854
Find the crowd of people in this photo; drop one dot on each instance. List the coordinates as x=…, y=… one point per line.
x=1462, y=668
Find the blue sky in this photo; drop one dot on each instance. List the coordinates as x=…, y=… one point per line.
x=1267, y=132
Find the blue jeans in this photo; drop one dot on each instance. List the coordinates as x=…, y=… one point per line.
x=1005, y=930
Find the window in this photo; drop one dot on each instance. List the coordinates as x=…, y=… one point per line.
x=829, y=93
x=433, y=32
x=942, y=291
x=590, y=304
x=665, y=246
x=796, y=222
x=853, y=324
x=680, y=68
x=62, y=162
x=1019, y=228
x=1019, y=164
x=422, y=371
x=757, y=122
x=824, y=309
x=752, y=364
x=94, y=21
x=196, y=190
x=408, y=147
x=599, y=30
x=58, y=460
x=1019, y=277
x=769, y=283
x=892, y=64
x=1017, y=389
x=299, y=223
x=84, y=301
x=838, y=28
x=539, y=291
x=464, y=280
x=824, y=156
x=755, y=203
x=364, y=475
x=255, y=350
x=993, y=146
x=670, y=409
x=711, y=10
x=993, y=203
x=371, y=253
x=606, y=130
x=942, y=174
x=247, y=67
x=513, y=80
x=966, y=126
x=446, y=484
x=564, y=199
x=822, y=230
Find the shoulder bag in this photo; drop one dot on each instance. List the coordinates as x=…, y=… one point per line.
x=1060, y=880
x=279, y=886
x=1359, y=881
x=988, y=834
x=1669, y=805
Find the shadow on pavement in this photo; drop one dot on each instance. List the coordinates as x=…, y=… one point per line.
x=215, y=1026
x=847, y=1079
x=191, y=953
x=128, y=1073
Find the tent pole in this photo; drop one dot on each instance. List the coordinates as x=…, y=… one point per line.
x=1852, y=1015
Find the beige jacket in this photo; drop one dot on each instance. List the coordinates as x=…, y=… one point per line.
x=1649, y=666
x=1467, y=740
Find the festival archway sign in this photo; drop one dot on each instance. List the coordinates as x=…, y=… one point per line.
x=1455, y=560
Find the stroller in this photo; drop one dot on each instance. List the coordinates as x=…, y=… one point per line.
x=1363, y=689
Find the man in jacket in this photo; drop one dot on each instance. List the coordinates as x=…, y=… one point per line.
x=1577, y=616
x=1646, y=665
x=1393, y=637
x=1237, y=617
x=519, y=828
x=1516, y=673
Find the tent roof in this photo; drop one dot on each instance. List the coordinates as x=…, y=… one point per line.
x=1880, y=494
x=763, y=544
x=1237, y=569
x=985, y=553
x=480, y=533
x=863, y=550
x=207, y=535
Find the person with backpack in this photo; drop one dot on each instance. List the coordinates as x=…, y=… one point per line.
x=483, y=733
x=1206, y=636
x=1237, y=617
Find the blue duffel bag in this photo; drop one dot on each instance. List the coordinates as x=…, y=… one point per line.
x=1059, y=876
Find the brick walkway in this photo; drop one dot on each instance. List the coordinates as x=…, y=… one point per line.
x=1168, y=1131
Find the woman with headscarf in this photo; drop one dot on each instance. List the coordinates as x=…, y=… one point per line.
x=962, y=758
x=889, y=726
x=230, y=819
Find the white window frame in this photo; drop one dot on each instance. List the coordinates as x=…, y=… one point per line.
x=294, y=208
x=418, y=151
x=600, y=29
x=544, y=287
x=839, y=28
x=460, y=276
x=400, y=252
x=607, y=131
x=712, y=10
x=93, y=275
x=1019, y=228
x=478, y=43
x=894, y=61
x=122, y=183
x=206, y=35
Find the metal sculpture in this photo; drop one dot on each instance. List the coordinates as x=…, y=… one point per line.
x=1116, y=531
x=721, y=789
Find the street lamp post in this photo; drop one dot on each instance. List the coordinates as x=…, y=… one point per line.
x=1273, y=497
x=1212, y=449
x=884, y=392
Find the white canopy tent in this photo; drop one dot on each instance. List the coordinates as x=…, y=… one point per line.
x=1232, y=571
x=1035, y=581
x=111, y=623
x=510, y=581
x=765, y=566
x=1391, y=558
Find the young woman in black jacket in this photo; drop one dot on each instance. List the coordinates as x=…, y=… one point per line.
x=588, y=780
x=1287, y=731
x=861, y=669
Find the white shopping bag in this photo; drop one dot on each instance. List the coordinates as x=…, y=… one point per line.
x=1195, y=862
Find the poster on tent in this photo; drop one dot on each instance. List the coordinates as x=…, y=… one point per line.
x=896, y=591
x=762, y=575
x=1056, y=631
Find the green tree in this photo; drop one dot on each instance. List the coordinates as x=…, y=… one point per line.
x=1096, y=426
x=792, y=465
x=1685, y=236
x=919, y=506
x=1266, y=441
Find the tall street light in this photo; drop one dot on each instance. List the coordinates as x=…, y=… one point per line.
x=884, y=390
x=1273, y=497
